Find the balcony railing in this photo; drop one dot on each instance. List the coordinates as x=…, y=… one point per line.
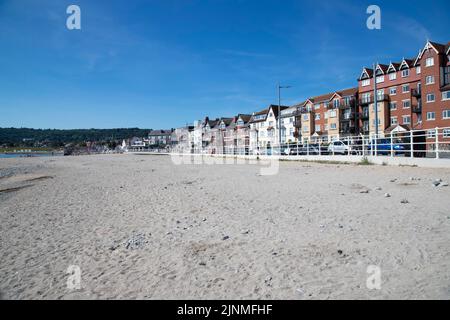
x=416, y=93
x=364, y=115
x=369, y=100
x=343, y=104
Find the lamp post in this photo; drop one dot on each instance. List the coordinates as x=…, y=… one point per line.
x=375, y=100
x=279, y=113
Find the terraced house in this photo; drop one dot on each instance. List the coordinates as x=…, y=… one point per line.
x=237, y=135
x=264, y=129
x=289, y=132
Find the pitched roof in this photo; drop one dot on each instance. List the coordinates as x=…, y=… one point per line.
x=262, y=112
x=321, y=98
x=347, y=92
x=367, y=71
x=245, y=117
x=301, y=104
x=274, y=108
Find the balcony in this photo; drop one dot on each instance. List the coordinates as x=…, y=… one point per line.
x=417, y=108
x=348, y=116
x=343, y=104
x=297, y=123
x=416, y=93
x=369, y=100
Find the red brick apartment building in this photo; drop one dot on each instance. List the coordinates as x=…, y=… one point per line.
x=411, y=94
x=329, y=116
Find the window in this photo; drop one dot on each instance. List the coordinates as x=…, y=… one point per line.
x=305, y=129
x=380, y=79
x=446, y=114
x=405, y=73
x=393, y=91
x=406, y=104
x=333, y=114
x=365, y=83
x=326, y=127
x=317, y=127
x=392, y=76
x=325, y=115
x=393, y=121
x=446, y=95
x=379, y=122
x=317, y=117
x=430, y=97
x=333, y=126
x=336, y=103
x=305, y=117
x=418, y=70
x=431, y=116
x=429, y=80
x=406, y=119
x=405, y=88
x=393, y=105
x=317, y=106
x=431, y=133
x=429, y=62
x=446, y=133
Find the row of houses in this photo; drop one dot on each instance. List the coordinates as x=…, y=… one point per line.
x=411, y=94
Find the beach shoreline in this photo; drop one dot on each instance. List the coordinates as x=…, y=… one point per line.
x=142, y=227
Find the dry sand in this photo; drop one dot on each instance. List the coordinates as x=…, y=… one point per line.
x=221, y=231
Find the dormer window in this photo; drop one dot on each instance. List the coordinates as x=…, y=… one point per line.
x=429, y=62
x=365, y=82
x=392, y=76
x=405, y=73
x=418, y=70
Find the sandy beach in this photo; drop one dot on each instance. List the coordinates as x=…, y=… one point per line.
x=141, y=227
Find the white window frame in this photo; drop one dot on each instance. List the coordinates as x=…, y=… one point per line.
x=409, y=103
x=429, y=62
x=405, y=73
x=446, y=114
x=429, y=82
x=333, y=126
x=406, y=117
x=446, y=133
x=394, y=120
x=418, y=70
x=393, y=91
x=380, y=79
x=429, y=113
x=392, y=76
x=446, y=93
x=365, y=83
x=429, y=95
x=404, y=86
x=393, y=103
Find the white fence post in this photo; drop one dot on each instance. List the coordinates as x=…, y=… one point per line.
x=437, y=143
x=411, y=143
x=392, y=146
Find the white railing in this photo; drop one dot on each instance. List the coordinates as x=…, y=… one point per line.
x=430, y=143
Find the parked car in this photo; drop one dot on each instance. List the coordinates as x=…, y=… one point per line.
x=383, y=147
x=340, y=147
x=305, y=149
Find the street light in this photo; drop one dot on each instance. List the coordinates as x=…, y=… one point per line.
x=279, y=112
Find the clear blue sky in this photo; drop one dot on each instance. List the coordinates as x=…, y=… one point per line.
x=161, y=64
